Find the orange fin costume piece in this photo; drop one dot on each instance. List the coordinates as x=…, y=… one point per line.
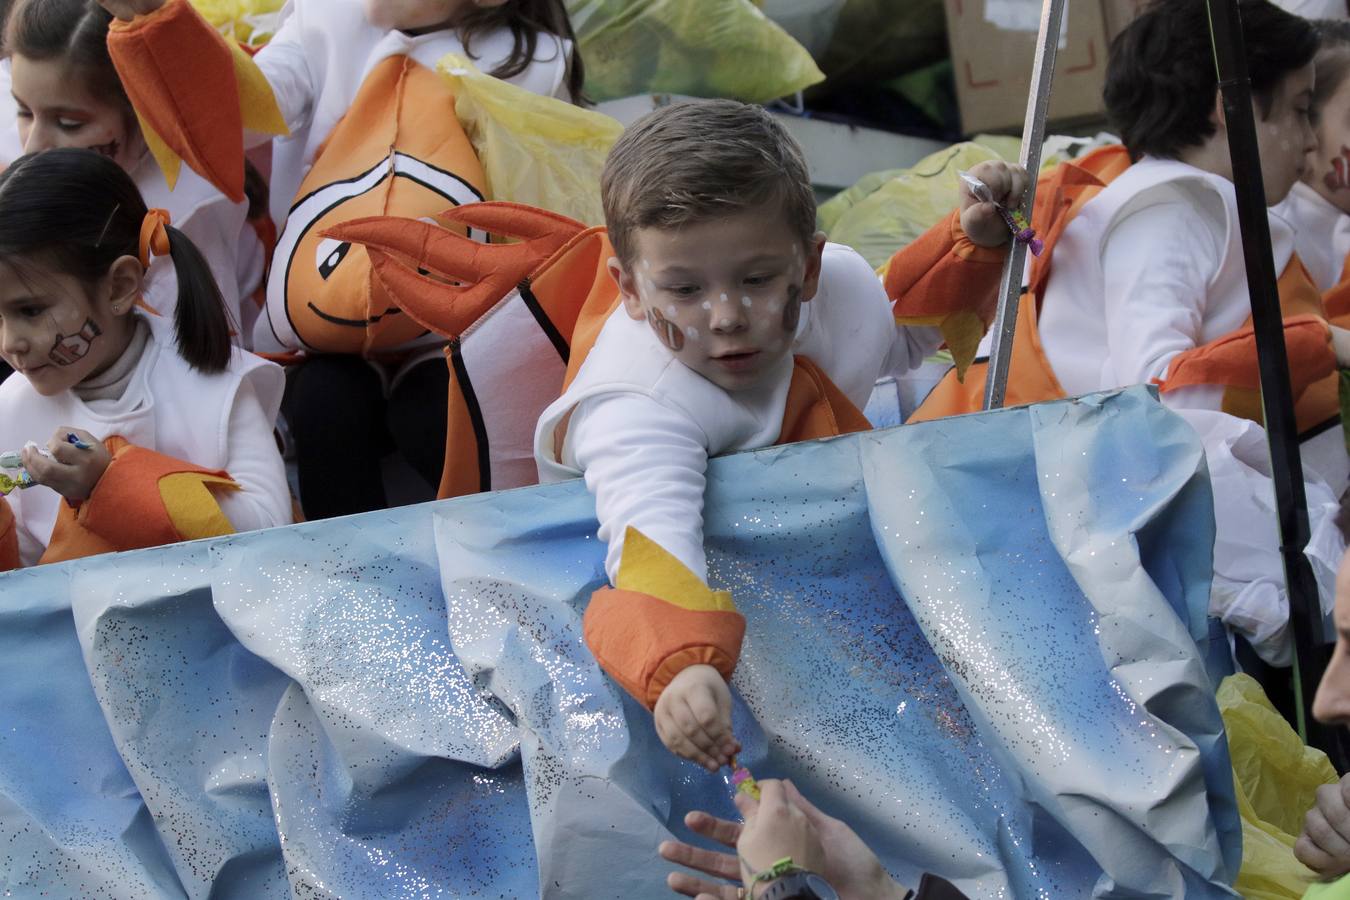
x=960, y=300
x=194, y=93
x=658, y=620
x=9, y=538
x=509, y=311
x=144, y=499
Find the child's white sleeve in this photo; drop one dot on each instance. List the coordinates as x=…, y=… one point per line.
x=263, y=499
x=645, y=464
x=1156, y=265
x=284, y=65
x=913, y=344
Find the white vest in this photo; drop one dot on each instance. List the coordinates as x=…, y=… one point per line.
x=1072, y=323
x=1322, y=234
x=184, y=414
x=847, y=329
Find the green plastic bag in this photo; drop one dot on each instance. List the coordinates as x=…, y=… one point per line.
x=885, y=211
x=705, y=48
x=535, y=150
x=1276, y=779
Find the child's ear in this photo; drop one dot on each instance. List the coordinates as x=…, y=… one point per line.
x=628, y=289
x=1218, y=116
x=125, y=281
x=814, y=251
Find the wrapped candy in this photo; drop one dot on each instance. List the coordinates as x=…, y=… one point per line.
x=742, y=780
x=13, y=476
x=1015, y=219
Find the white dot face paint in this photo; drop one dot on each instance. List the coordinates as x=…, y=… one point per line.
x=691, y=332
x=671, y=311
x=707, y=304
x=725, y=299
x=746, y=302
x=646, y=264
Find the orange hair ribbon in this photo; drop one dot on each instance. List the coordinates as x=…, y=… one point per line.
x=154, y=235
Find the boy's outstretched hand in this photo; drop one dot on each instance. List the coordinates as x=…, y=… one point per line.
x=981, y=221
x=126, y=10
x=693, y=718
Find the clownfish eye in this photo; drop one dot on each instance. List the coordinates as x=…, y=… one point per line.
x=330, y=255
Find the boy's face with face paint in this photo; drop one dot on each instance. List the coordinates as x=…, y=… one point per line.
x=723, y=295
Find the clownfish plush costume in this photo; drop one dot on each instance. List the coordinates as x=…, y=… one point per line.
x=365, y=126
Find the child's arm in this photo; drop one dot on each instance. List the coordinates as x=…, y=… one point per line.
x=948, y=278
x=196, y=94
x=129, y=496
x=660, y=632
x=1157, y=265
x=262, y=498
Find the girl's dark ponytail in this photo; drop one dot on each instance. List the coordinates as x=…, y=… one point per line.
x=79, y=212
x=199, y=320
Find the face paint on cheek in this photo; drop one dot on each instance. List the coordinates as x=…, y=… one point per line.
x=70, y=349
x=667, y=332
x=1338, y=179
x=792, y=310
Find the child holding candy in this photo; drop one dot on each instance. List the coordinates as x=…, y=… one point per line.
x=738, y=326
x=159, y=431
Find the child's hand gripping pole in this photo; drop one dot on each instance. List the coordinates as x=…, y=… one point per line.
x=1015, y=219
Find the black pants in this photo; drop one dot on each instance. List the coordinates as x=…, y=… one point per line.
x=343, y=425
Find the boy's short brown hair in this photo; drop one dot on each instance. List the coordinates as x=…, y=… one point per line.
x=700, y=160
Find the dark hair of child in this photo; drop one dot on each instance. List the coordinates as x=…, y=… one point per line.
x=526, y=18
x=1161, y=82
x=78, y=212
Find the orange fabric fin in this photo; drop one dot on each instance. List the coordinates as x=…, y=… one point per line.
x=1230, y=361
x=637, y=637
x=190, y=88
x=144, y=499
x=815, y=408
x=9, y=538
x=944, y=279
x=659, y=619
x=445, y=281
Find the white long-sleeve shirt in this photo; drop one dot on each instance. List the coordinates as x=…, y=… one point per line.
x=221, y=421
x=642, y=425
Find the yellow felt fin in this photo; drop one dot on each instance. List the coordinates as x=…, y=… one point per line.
x=257, y=104
x=170, y=163
x=648, y=568
x=192, y=507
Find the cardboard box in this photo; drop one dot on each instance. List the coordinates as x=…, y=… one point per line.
x=993, y=45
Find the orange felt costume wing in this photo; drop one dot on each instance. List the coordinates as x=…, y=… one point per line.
x=509, y=312
x=144, y=499
x=9, y=538
x=194, y=93
x=659, y=619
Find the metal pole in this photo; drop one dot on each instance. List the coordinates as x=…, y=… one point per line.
x=1033, y=135
x=1277, y=401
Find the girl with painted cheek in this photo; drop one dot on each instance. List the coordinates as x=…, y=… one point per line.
x=130, y=430
x=1317, y=205
x=67, y=94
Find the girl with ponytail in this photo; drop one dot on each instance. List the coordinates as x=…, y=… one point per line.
x=123, y=430
x=66, y=93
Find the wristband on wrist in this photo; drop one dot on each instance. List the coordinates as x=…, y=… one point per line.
x=784, y=866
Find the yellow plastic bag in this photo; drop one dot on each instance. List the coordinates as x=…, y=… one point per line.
x=535, y=150
x=706, y=48
x=249, y=22
x=885, y=211
x=1276, y=779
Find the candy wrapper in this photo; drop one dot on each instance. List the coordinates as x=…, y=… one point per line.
x=13, y=476
x=742, y=780
x=1015, y=219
